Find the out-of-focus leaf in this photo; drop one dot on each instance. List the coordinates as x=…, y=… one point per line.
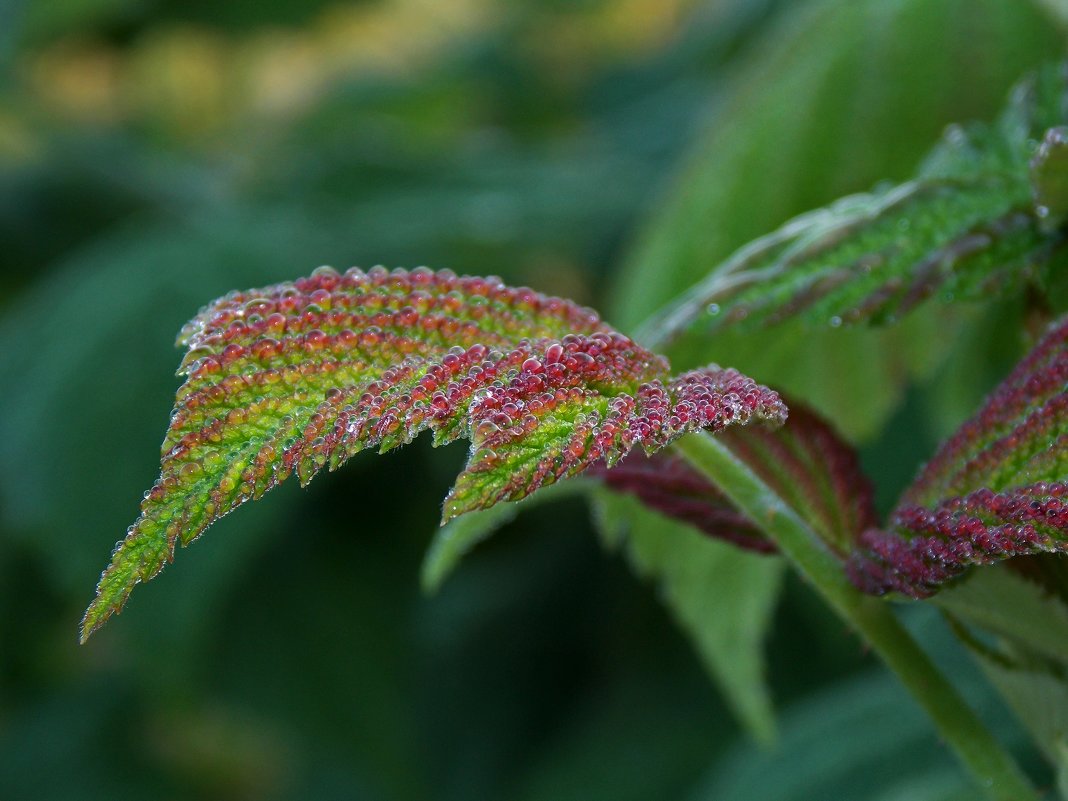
x=864, y=739
x=1035, y=686
x=824, y=106
x=996, y=489
x=298, y=376
x=1027, y=659
x=860, y=741
x=839, y=95
x=1012, y=607
x=723, y=598
x=980, y=216
x=1049, y=177
x=667, y=483
x=812, y=470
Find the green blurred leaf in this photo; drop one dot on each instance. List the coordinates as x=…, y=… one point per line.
x=1040, y=700
x=1028, y=659
x=1049, y=176
x=722, y=597
x=860, y=741
x=864, y=739
x=1018, y=610
x=837, y=96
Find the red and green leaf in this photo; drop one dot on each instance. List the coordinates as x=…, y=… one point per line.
x=300, y=376
x=805, y=462
x=975, y=219
x=998, y=488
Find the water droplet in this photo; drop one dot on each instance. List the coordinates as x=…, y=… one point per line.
x=486, y=457
x=836, y=321
x=713, y=308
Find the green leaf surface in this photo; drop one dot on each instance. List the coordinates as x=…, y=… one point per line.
x=863, y=742
x=837, y=96
x=1028, y=657
x=996, y=489
x=1016, y=609
x=976, y=219
x=723, y=598
x=1039, y=697
x=300, y=376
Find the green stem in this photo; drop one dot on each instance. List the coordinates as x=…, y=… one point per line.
x=993, y=768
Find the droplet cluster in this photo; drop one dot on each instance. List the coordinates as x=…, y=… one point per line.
x=925, y=548
x=545, y=426
x=301, y=375
x=995, y=490
x=1018, y=436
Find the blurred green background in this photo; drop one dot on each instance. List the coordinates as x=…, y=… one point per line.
x=156, y=153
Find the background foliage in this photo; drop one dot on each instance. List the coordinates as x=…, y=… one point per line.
x=154, y=154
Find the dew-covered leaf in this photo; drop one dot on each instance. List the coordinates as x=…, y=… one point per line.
x=832, y=98
x=805, y=462
x=997, y=488
x=300, y=376
x=974, y=220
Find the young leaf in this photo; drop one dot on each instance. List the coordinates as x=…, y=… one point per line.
x=804, y=461
x=970, y=223
x=994, y=490
x=300, y=376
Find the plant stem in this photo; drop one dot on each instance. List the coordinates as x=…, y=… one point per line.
x=994, y=769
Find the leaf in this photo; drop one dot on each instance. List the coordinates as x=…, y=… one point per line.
x=831, y=98
x=836, y=96
x=700, y=581
x=996, y=489
x=300, y=376
x=1040, y=701
x=863, y=739
x=805, y=462
x=969, y=224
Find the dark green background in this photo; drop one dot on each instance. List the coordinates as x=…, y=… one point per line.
x=593, y=149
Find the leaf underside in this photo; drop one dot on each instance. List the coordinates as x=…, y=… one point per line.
x=805, y=462
x=994, y=490
x=300, y=376
x=975, y=220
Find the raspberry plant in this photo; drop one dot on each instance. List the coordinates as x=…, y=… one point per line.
x=300, y=376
